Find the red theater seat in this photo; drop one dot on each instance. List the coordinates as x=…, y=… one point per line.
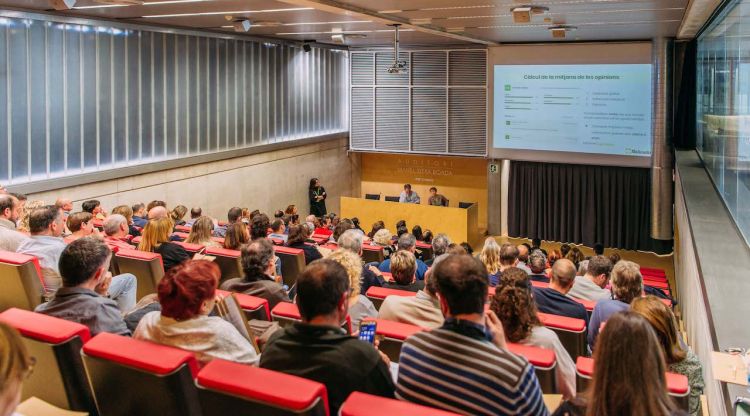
x=425, y=249
x=190, y=247
x=228, y=261
x=99, y=224
x=292, y=263
x=182, y=228
x=21, y=281
x=363, y=404
x=378, y=294
x=544, y=362
x=59, y=377
x=393, y=336
x=147, y=268
x=320, y=239
x=253, y=306
x=227, y=388
x=372, y=253
x=677, y=384
x=571, y=331
x=286, y=313
x=132, y=377
x=276, y=241
x=652, y=271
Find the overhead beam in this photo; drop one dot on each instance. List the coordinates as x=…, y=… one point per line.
x=696, y=15
x=337, y=7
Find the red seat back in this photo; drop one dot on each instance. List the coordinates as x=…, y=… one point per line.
x=544, y=362
x=372, y=253
x=378, y=294
x=571, y=331
x=190, y=247
x=286, y=313
x=182, y=228
x=21, y=281
x=425, y=250
x=253, y=306
x=226, y=388
x=56, y=344
x=132, y=377
x=228, y=261
x=363, y=404
x=147, y=268
x=292, y=263
x=393, y=336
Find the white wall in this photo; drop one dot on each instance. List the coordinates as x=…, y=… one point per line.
x=266, y=181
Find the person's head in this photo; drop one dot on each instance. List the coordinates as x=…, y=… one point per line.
x=84, y=262
x=433, y=191
x=92, y=206
x=513, y=276
x=627, y=282
x=563, y=275
x=15, y=366
x=515, y=307
x=116, y=225
x=188, y=290
x=259, y=226
x=407, y=242
x=490, y=255
x=353, y=265
x=427, y=237
x=341, y=228
x=664, y=323
x=234, y=214
x=10, y=209
x=80, y=223
x=614, y=258
x=125, y=211
x=401, y=231
x=201, y=231
x=64, y=204
x=278, y=214
x=554, y=256
x=599, y=249
x=277, y=226
x=355, y=223
x=382, y=237
x=565, y=249
x=258, y=259
x=178, y=213
x=407, y=188
x=139, y=209
x=403, y=267
x=401, y=223
x=440, y=244
x=508, y=254
x=537, y=262
x=598, y=270
x=236, y=236
x=536, y=242
x=155, y=233
x=377, y=226
x=314, y=183
x=158, y=212
x=575, y=255
x=351, y=240
x=156, y=203
x=467, y=247
x=523, y=253
x=46, y=220
x=195, y=212
x=291, y=210
x=323, y=291
x=461, y=282
x=629, y=370
x=583, y=267
x=297, y=234
x=417, y=232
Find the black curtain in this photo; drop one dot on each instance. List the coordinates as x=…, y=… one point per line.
x=582, y=204
x=685, y=94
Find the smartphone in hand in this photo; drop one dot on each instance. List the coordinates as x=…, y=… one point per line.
x=367, y=331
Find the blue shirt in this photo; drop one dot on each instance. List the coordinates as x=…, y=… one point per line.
x=602, y=311
x=385, y=266
x=550, y=301
x=139, y=221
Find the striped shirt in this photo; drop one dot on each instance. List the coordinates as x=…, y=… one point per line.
x=466, y=375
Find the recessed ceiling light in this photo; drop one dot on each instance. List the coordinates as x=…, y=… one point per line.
x=325, y=23
x=147, y=3
x=294, y=9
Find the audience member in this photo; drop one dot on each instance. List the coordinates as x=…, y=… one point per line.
x=422, y=310
x=195, y=213
x=627, y=284
x=416, y=231
x=564, y=249
x=401, y=231
x=536, y=244
x=437, y=199
x=86, y=283
x=16, y=364
x=680, y=360
x=158, y=212
x=408, y=196
x=259, y=226
x=177, y=214
x=291, y=210
x=554, y=255
x=360, y=307
x=575, y=255
x=355, y=223
x=201, y=231
x=278, y=214
x=339, y=229
x=233, y=215
x=297, y=237
x=523, y=254
x=64, y=204
x=10, y=211
x=467, y=357
x=81, y=224
x=538, y=267
x=376, y=226
x=490, y=257
x=155, y=239
x=139, y=215
x=509, y=257
x=45, y=243
x=439, y=246
x=614, y=258
x=319, y=349
x=467, y=247
x=598, y=249
x=278, y=230
x=406, y=242
x=370, y=276
x=127, y=212
x=94, y=207
x=592, y=285
x=258, y=266
x=236, y=236
x=553, y=300
x=515, y=307
x=629, y=373
x=403, y=267
x=187, y=296
x=427, y=238
x=383, y=239
x=583, y=268
x=115, y=229
x=155, y=203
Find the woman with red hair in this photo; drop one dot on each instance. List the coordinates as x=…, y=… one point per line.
x=187, y=295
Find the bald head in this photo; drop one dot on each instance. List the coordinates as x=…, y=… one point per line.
x=523, y=253
x=64, y=204
x=563, y=274
x=157, y=212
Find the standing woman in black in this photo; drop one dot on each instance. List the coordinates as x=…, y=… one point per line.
x=317, y=196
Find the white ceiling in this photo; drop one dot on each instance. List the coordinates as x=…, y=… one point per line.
x=469, y=21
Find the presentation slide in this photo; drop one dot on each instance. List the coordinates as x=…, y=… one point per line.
x=604, y=109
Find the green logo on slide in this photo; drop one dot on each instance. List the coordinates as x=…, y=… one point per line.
x=507, y=137
x=507, y=87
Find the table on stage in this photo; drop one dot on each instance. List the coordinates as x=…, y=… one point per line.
x=460, y=224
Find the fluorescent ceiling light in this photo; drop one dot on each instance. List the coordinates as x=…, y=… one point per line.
x=326, y=23
x=295, y=9
x=100, y=6
x=333, y=32
x=148, y=3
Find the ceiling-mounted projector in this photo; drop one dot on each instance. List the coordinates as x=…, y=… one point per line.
x=63, y=4
x=522, y=14
x=560, y=31
x=398, y=67
x=243, y=25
